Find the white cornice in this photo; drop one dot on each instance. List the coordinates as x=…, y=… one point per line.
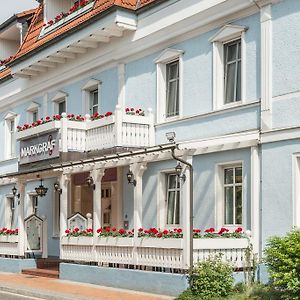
x=228, y=32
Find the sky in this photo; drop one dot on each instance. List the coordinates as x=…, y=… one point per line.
x=14, y=6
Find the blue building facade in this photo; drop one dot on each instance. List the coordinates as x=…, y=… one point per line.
x=221, y=75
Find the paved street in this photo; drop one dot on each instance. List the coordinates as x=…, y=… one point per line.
x=24, y=287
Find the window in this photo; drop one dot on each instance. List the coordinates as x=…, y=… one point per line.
x=91, y=97
x=61, y=107
x=233, y=195
x=34, y=116
x=10, y=212
x=229, y=66
x=34, y=200
x=232, y=78
x=60, y=103
x=172, y=103
x=10, y=135
x=169, y=85
x=94, y=104
x=33, y=112
x=173, y=200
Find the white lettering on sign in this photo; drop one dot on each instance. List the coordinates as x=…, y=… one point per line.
x=41, y=148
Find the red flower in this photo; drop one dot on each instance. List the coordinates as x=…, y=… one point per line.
x=76, y=229
x=109, y=113
x=141, y=229
x=67, y=231
x=159, y=234
x=238, y=230
x=122, y=231
x=165, y=231
x=127, y=109
x=99, y=230
x=107, y=229
x=210, y=230
x=114, y=229
x=179, y=230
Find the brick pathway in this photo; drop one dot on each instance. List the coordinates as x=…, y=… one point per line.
x=55, y=287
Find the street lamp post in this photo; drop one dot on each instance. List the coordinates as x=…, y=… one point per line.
x=171, y=138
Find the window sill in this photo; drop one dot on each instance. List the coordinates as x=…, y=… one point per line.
x=231, y=104
x=7, y=159
x=46, y=30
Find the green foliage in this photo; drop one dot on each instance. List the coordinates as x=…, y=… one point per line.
x=211, y=279
x=283, y=261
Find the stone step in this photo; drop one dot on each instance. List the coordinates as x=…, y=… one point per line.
x=45, y=263
x=50, y=273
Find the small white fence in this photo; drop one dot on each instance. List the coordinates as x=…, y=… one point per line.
x=153, y=252
x=9, y=245
x=117, y=130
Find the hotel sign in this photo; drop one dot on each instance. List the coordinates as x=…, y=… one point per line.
x=39, y=148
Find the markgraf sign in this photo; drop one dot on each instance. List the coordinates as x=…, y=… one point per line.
x=39, y=148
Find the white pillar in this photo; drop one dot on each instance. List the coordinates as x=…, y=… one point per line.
x=64, y=133
x=64, y=185
x=255, y=199
x=97, y=209
x=118, y=125
x=138, y=170
x=185, y=195
x=266, y=66
x=21, y=224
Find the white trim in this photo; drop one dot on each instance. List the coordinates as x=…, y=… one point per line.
x=31, y=109
x=255, y=199
x=59, y=97
x=166, y=57
x=227, y=34
x=280, y=134
x=266, y=67
x=296, y=189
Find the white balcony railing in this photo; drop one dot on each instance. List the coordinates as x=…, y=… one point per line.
x=9, y=245
x=117, y=130
x=154, y=252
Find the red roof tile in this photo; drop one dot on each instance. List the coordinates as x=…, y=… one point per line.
x=32, y=40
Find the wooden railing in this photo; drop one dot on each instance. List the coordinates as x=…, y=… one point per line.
x=154, y=252
x=117, y=130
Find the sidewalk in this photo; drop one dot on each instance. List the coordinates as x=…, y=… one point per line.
x=55, y=289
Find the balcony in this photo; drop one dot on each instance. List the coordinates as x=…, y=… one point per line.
x=118, y=129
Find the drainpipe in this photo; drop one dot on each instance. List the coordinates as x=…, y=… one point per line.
x=191, y=205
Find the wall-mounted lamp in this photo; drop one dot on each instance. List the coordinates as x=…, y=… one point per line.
x=90, y=182
x=171, y=136
x=178, y=170
x=57, y=187
x=15, y=192
x=41, y=190
x=130, y=178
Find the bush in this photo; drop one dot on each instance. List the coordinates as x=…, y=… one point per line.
x=283, y=261
x=211, y=279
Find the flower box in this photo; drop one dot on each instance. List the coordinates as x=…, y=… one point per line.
x=9, y=238
x=67, y=19
x=114, y=241
x=41, y=129
x=79, y=240
x=169, y=243
x=220, y=243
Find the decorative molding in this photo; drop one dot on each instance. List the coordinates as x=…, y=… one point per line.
x=227, y=33
x=280, y=134
x=10, y=115
x=168, y=55
x=266, y=67
x=91, y=84
x=59, y=96
x=33, y=106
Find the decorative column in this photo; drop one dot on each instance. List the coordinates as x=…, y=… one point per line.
x=21, y=224
x=64, y=184
x=138, y=170
x=64, y=132
x=118, y=125
x=255, y=199
x=266, y=66
x=186, y=218
x=97, y=175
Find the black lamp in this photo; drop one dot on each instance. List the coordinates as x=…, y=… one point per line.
x=41, y=190
x=90, y=182
x=178, y=170
x=57, y=187
x=15, y=192
x=130, y=178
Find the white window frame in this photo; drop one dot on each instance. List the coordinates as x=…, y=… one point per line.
x=296, y=189
x=166, y=57
x=220, y=195
x=31, y=109
x=59, y=98
x=10, y=216
x=226, y=34
x=89, y=87
x=9, y=153
x=162, y=201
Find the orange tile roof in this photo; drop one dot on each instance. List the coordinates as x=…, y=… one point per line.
x=5, y=73
x=32, y=40
x=26, y=13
